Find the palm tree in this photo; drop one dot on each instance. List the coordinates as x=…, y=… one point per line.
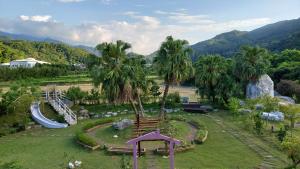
x=138, y=81
x=173, y=64
x=111, y=72
x=123, y=78
x=251, y=63
x=209, y=71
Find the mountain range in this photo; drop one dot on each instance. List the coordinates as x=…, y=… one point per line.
x=275, y=37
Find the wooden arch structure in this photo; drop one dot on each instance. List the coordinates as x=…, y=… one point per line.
x=153, y=136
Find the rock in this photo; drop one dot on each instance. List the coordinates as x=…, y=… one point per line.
x=274, y=116
x=115, y=136
x=168, y=110
x=242, y=103
x=264, y=86
x=259, y=106
x=286, y=99
x=120, y=125
x=84, y=114
x=114, y=113
x=71, y=165
x=107, y=115
x=244, y=111
x=77, y=163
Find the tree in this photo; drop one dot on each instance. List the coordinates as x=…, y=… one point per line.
x=173, y=64
x=250, y=63
x=155, y=92
x=75, y=94
x=111, y=73
x=292, y=147
x=290, y=112
x=209, y=71
x=123, y=77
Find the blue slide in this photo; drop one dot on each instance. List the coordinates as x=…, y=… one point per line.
x=39, y=118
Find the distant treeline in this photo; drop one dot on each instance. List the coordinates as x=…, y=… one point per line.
x=38, y=71
x=56, y=53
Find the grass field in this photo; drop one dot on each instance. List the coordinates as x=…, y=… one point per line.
x=51, y=149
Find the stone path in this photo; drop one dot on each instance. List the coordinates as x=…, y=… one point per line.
x=270, y=161
x=151, y=161
x=192, y=134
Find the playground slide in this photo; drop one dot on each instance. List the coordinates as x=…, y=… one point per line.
x=39, y=118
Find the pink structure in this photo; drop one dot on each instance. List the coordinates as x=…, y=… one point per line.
x=153, y=136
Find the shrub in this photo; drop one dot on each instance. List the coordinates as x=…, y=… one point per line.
x=75, y=94
x=234, y=105
x=96, y=123
x=86, y=139
x=289, y=88
x=172, y=99
x=200, y=136
x=258, y=123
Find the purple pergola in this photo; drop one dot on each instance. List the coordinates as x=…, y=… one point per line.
x=153, y=136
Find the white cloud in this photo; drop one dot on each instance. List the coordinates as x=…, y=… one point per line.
x=145, y=33
x=36, y=18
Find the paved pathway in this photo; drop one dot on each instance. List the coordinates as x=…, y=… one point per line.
x=270, y=161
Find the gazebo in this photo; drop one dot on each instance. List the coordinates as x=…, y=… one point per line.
x=153, y=136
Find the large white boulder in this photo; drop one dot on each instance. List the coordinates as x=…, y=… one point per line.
x=264, y=86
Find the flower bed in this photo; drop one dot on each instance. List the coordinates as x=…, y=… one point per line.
x=87, y=141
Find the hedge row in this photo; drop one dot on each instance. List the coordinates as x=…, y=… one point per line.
x=86, y=139
x=96, y=123
x=83, y=138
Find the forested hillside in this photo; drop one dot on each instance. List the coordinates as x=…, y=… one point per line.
x=275, y=37
x=57, y=53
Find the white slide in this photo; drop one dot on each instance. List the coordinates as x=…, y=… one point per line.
x=39, y=118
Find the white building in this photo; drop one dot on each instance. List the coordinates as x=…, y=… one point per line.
x=25, y=63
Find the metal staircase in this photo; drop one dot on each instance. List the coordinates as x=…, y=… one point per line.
x=54, y=98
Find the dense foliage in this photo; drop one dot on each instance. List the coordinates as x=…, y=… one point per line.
x=15, y=105
x=289, y=88
x=122, y=77
x=58, y=53
x=286, y=65
x=39, y=71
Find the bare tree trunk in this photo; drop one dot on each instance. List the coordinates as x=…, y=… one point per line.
x=133, y=106
x=140, y=105
x=163, y=101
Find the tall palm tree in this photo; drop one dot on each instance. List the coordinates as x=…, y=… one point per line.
x=173, y=64
x=209, y=70
x=138, y=81
x=251, y=63
x=111, y=72
x=123, y=77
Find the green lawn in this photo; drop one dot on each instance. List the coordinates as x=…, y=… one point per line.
x=48, y=148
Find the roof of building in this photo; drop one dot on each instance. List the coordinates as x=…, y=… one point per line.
x=30, y=60
x=4, y=64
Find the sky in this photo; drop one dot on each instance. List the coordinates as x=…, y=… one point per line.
x=143, y=23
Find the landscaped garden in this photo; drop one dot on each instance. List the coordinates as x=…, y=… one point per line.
x=228, y=116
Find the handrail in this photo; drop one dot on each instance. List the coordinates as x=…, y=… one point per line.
x=62, y=108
